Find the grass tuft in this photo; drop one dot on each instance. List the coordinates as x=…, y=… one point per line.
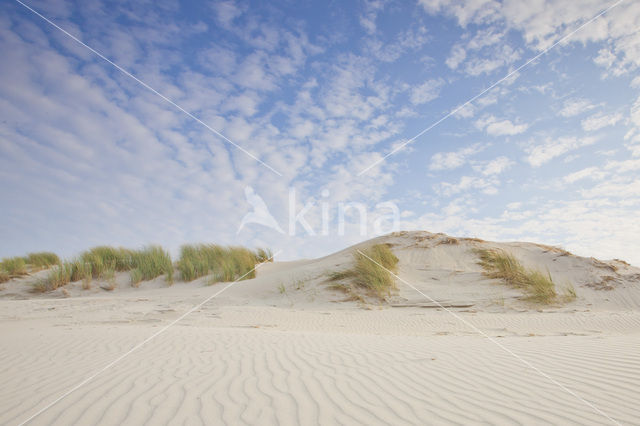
x=145, y=264
x=14, y=266
x=103, y=258
x=538, y=287
x=225, y=263
x=264, y=255
x=43, y=259
x=136, y=277
x=370, y=272
x=102, y=262
x=59, y=276
x=149, y=263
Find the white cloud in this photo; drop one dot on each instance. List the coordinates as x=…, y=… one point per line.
x=573, y=107
x=599, y=121
x=226, y=12
x=496, y=127
x=468, y=183
x=516, y=205
x=623, y=166
x=497, y=166
x=456, y=57
x=453, y=160
x=593, y=173
x=615, y=188
x=499, y=57
x=389, y=51
x=633, y=135
x=486, y=37
x=542, y=23
x=466, y=111
x=426, y=92
x=368, y=18
x=476, y=11
x=552, y=148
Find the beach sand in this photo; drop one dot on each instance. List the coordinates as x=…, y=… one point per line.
x=284, y=348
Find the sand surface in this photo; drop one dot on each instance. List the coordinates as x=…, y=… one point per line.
x=255, y=354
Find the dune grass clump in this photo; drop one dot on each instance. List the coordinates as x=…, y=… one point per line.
x=14, y=266
x=264, y=255
x=43, y=259
x=370, y=272
x=58, y=277
x=103, y=262
x=225, y=263
x=103, y=258
x=196, y=260
x=538, y=287
x=4, y=276
x=149, y=263
x=81, y=270
x=144, y=264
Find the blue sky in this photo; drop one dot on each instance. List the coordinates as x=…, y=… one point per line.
x=319, y=91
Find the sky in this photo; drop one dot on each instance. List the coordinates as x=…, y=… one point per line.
x=283, y=124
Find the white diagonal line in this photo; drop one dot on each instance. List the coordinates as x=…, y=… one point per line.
x=500, y=345
x=128, y=74
x=139, y=345
x=399, y=147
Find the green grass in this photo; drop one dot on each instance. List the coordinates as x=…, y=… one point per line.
x=264, y=255
x=144, y=264
x=372, y=271
x=102, y=262
x=149, y=263
x=104, y=258
x=538, y=287
x=136, y=277
x=225, y=263
x=81, y=271
x=14, y=266
x=57, y=277
x=43, y=259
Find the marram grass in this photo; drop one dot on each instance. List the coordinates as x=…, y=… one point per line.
x=538, y=287
x=103, y=262
x=372, y=271
x=149, y=263
x=14, y=266
x=225, y=263
x=43, y=259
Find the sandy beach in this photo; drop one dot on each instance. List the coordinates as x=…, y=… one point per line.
x=257, y=354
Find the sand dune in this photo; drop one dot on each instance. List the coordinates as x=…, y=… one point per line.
x=258, y=355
